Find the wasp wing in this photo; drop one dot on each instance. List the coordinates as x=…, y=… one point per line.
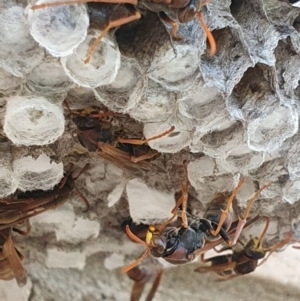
x=15, y=260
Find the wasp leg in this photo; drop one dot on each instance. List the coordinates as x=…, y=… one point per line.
x=174, y=25
x=228, y=207
x=136, y=262
x=279, y=245
x=84, y=112
x=113, y=151
x=155, y=285
x=65, y=103
x=141, y=142
x=210, y=37
x=105, y=114
x=141, y=277
x=111, y=24
x=60, y=3
x=217, y=268
x=84, y=200
x=147, y=156
x=88, y=112
x=263, y=234
x=139, y=241
x=225, y=278
x=21, y=232
x=242, y=221
x=82, y=171
x=137, y=290
x=183, y=199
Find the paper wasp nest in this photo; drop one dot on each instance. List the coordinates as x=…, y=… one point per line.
x=235, y=115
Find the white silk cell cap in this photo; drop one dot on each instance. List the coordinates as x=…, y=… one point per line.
x=295, y=3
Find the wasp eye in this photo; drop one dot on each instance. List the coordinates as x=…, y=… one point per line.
x=158, y=245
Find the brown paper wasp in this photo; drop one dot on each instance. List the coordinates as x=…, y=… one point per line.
x=10, y=258
x=115, y=13
x=28, y=204
x=151, y=270
x=179, y=245
x=97, y=134
x=241, y=261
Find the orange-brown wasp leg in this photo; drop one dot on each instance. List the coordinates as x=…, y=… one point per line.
x=83, y=170
x=65, y=103
x=183, y=198
x=174, y=25
x=228, y=207
x=147, y=156
x=242, y=221
x=136, y=262
x=155, y=285
x=113, y=151
x=60, y=3
x=85, y=112
x=105, y=114
x=139, y=241
x=63, y=183
x=140, y=278
x=217, y=269
x=87, y=204
x=64, y=180
x=141, y=142
x=263, y=234
x=88, y=112
x=111, y=24
x=21, y=232
x=210, y=37
x=137, y=288
x=279, y=245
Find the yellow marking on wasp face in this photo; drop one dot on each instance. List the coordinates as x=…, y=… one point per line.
x=151, y=228
x=149, y=234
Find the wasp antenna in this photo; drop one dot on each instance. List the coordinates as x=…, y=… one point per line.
x=134, y=237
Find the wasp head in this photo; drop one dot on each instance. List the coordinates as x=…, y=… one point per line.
x=156, y=241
